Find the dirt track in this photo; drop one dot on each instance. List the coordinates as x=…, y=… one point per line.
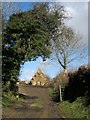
x=28, y=109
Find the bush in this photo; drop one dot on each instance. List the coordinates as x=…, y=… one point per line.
x=79, y=85
x=61, y=79
x=10, y=87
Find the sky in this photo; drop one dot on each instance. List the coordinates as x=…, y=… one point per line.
x=49, y=68
x=79, y=22
x=45, y=0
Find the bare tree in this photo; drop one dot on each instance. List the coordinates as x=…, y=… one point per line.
x=67, y=46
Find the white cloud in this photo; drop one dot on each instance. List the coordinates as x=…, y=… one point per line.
x=79, y=21
x=49, y=67
x=27, y=74
x=71, y=12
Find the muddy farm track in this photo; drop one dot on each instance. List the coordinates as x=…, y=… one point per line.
x=37, y=104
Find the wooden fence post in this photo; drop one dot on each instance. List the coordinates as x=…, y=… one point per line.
x=60, y=93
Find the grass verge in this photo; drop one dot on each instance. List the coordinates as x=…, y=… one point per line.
x=74, y=110
x=54, y=95
x=8, y=100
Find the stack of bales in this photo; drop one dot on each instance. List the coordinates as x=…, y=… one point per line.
x=40, y=79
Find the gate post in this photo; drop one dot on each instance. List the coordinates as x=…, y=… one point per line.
x=60, y=93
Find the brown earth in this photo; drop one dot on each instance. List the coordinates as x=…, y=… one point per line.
x=28, y=109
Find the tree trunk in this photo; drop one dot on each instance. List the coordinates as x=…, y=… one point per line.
x=65, y=71
x=65, y=65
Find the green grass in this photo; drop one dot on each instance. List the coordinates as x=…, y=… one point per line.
x=54, y=95
x=51, y=91
x=8, y=100
x=74, y=110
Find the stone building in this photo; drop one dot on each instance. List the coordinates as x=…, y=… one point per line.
x=40, y=79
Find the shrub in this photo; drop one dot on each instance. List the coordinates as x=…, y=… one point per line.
x=79, y=84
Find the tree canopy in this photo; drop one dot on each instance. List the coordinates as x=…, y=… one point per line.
x=26, y=36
